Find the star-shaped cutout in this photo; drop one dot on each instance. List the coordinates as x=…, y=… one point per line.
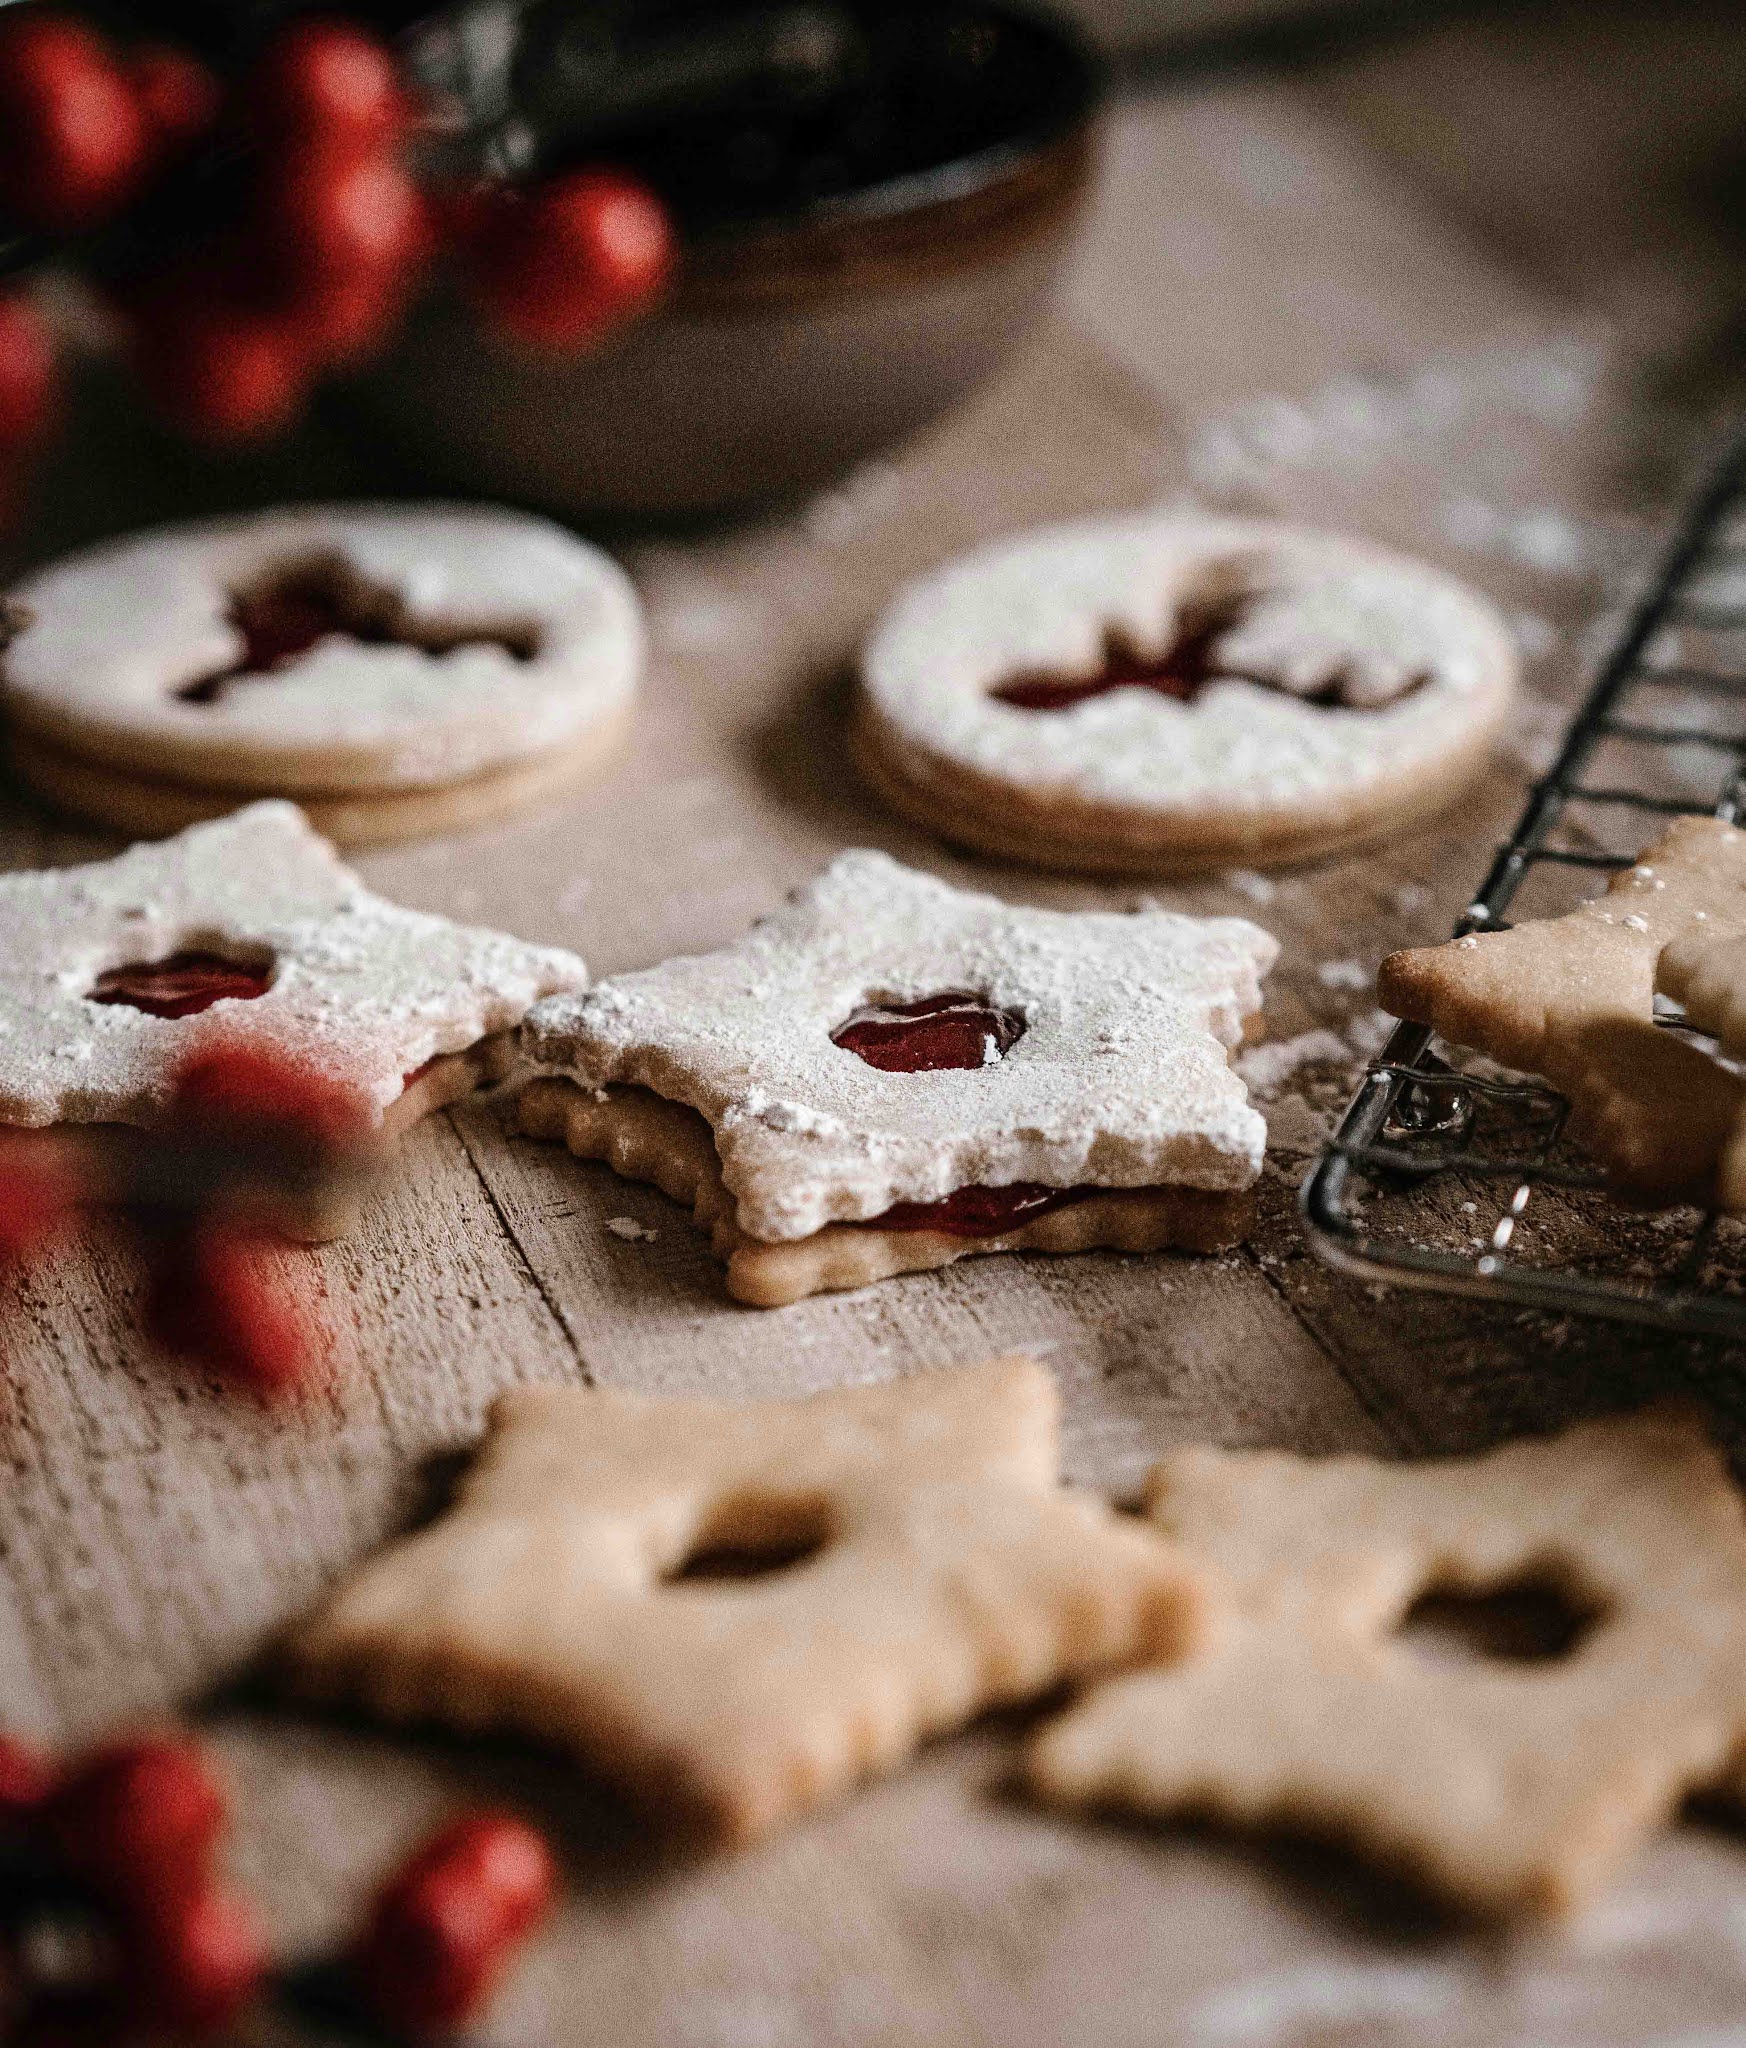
x=250, y=927
x=1503, y=1784
x=1103, y=1060
x=1573, y=998
x=926, y=1564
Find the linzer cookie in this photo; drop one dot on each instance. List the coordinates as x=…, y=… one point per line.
x=742, y=1608
x=1175, y=692
x=1496, y=1673
x=400, y=669
x=1573, y=998
x=111, y=974
x=888, y=1074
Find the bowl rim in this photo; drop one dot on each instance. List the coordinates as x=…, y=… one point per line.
x=1078, y=94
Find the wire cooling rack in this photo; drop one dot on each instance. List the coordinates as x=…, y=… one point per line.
x=1449, y=1174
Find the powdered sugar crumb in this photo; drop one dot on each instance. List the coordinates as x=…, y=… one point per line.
x=1257, y=888
x=1347, y=974
x=1266, y=1068
x=631, y=1230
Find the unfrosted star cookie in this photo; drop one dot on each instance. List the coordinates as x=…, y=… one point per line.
x=887, y=1074
x=1511, y=1781
x=1573, y=998
x=742, y=1608
x=403, y=668
x=111, y=974
x=1174, y=692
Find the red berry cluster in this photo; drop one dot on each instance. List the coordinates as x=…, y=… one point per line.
x=248, y=1139
x=121, y=1848
x=254, y=234
x=313, y=253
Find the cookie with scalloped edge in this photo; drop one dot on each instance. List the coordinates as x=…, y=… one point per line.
x=902, y=1557
x=1171, y=692
x=1601, y=1575
x=1061, y=1054
x=1573, y=998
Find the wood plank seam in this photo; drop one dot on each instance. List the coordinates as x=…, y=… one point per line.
x=521, y=1252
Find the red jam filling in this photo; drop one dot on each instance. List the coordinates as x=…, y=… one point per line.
x=980, y=1211
x=955, y=1030
x=1182, y=671
x=180, y=986
x=285, y=617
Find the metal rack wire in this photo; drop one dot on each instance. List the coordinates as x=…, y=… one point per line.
x=1407, y=1190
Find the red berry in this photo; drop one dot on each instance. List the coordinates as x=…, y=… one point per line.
x=39, y=1194
x=327, y=80
x=244, y=1089
x=26, y=1779
x=337, y=324
x=342, y=219
x=218, y=372
x=444, y=1928
x=559, y=265
x=179, y=97
x=216, y=1300
x=139, y=1820
x=72, y=138
x=195, y=1962
x=27, y=375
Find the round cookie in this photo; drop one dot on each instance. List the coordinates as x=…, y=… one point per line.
x=332, y=650
x=1168, y=693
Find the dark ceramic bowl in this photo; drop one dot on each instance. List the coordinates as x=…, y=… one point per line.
x=799, y=338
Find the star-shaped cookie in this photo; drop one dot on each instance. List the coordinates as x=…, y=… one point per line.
x=884, y=1043
x=926, y=1565
x=1505, y=1785
x=250, y=927
x=1573, y=998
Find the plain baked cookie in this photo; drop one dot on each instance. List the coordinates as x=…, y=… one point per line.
x=933, y=1566
x=1172, y=692
x=1511, y=1782
x=362, y=652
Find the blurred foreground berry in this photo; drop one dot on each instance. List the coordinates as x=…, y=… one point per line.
x=217, y=1300
x=116, y=1924
x=254, y=1148
x=446, y=1927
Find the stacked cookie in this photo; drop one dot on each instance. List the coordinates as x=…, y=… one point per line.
x=397, y=670
x=1172, y=692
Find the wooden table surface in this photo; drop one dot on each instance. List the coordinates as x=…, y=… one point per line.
x=1470, y=290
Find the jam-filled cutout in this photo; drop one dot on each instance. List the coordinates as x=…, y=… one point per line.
x=981, y=1211
x=955, y=1029
x=181, y=985
x=1185, y=668
x=287, y=612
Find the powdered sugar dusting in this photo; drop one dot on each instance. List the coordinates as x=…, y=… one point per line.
x=1423, y=665
x=362, y=990
x=342, y=714
x=1121, y=1078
